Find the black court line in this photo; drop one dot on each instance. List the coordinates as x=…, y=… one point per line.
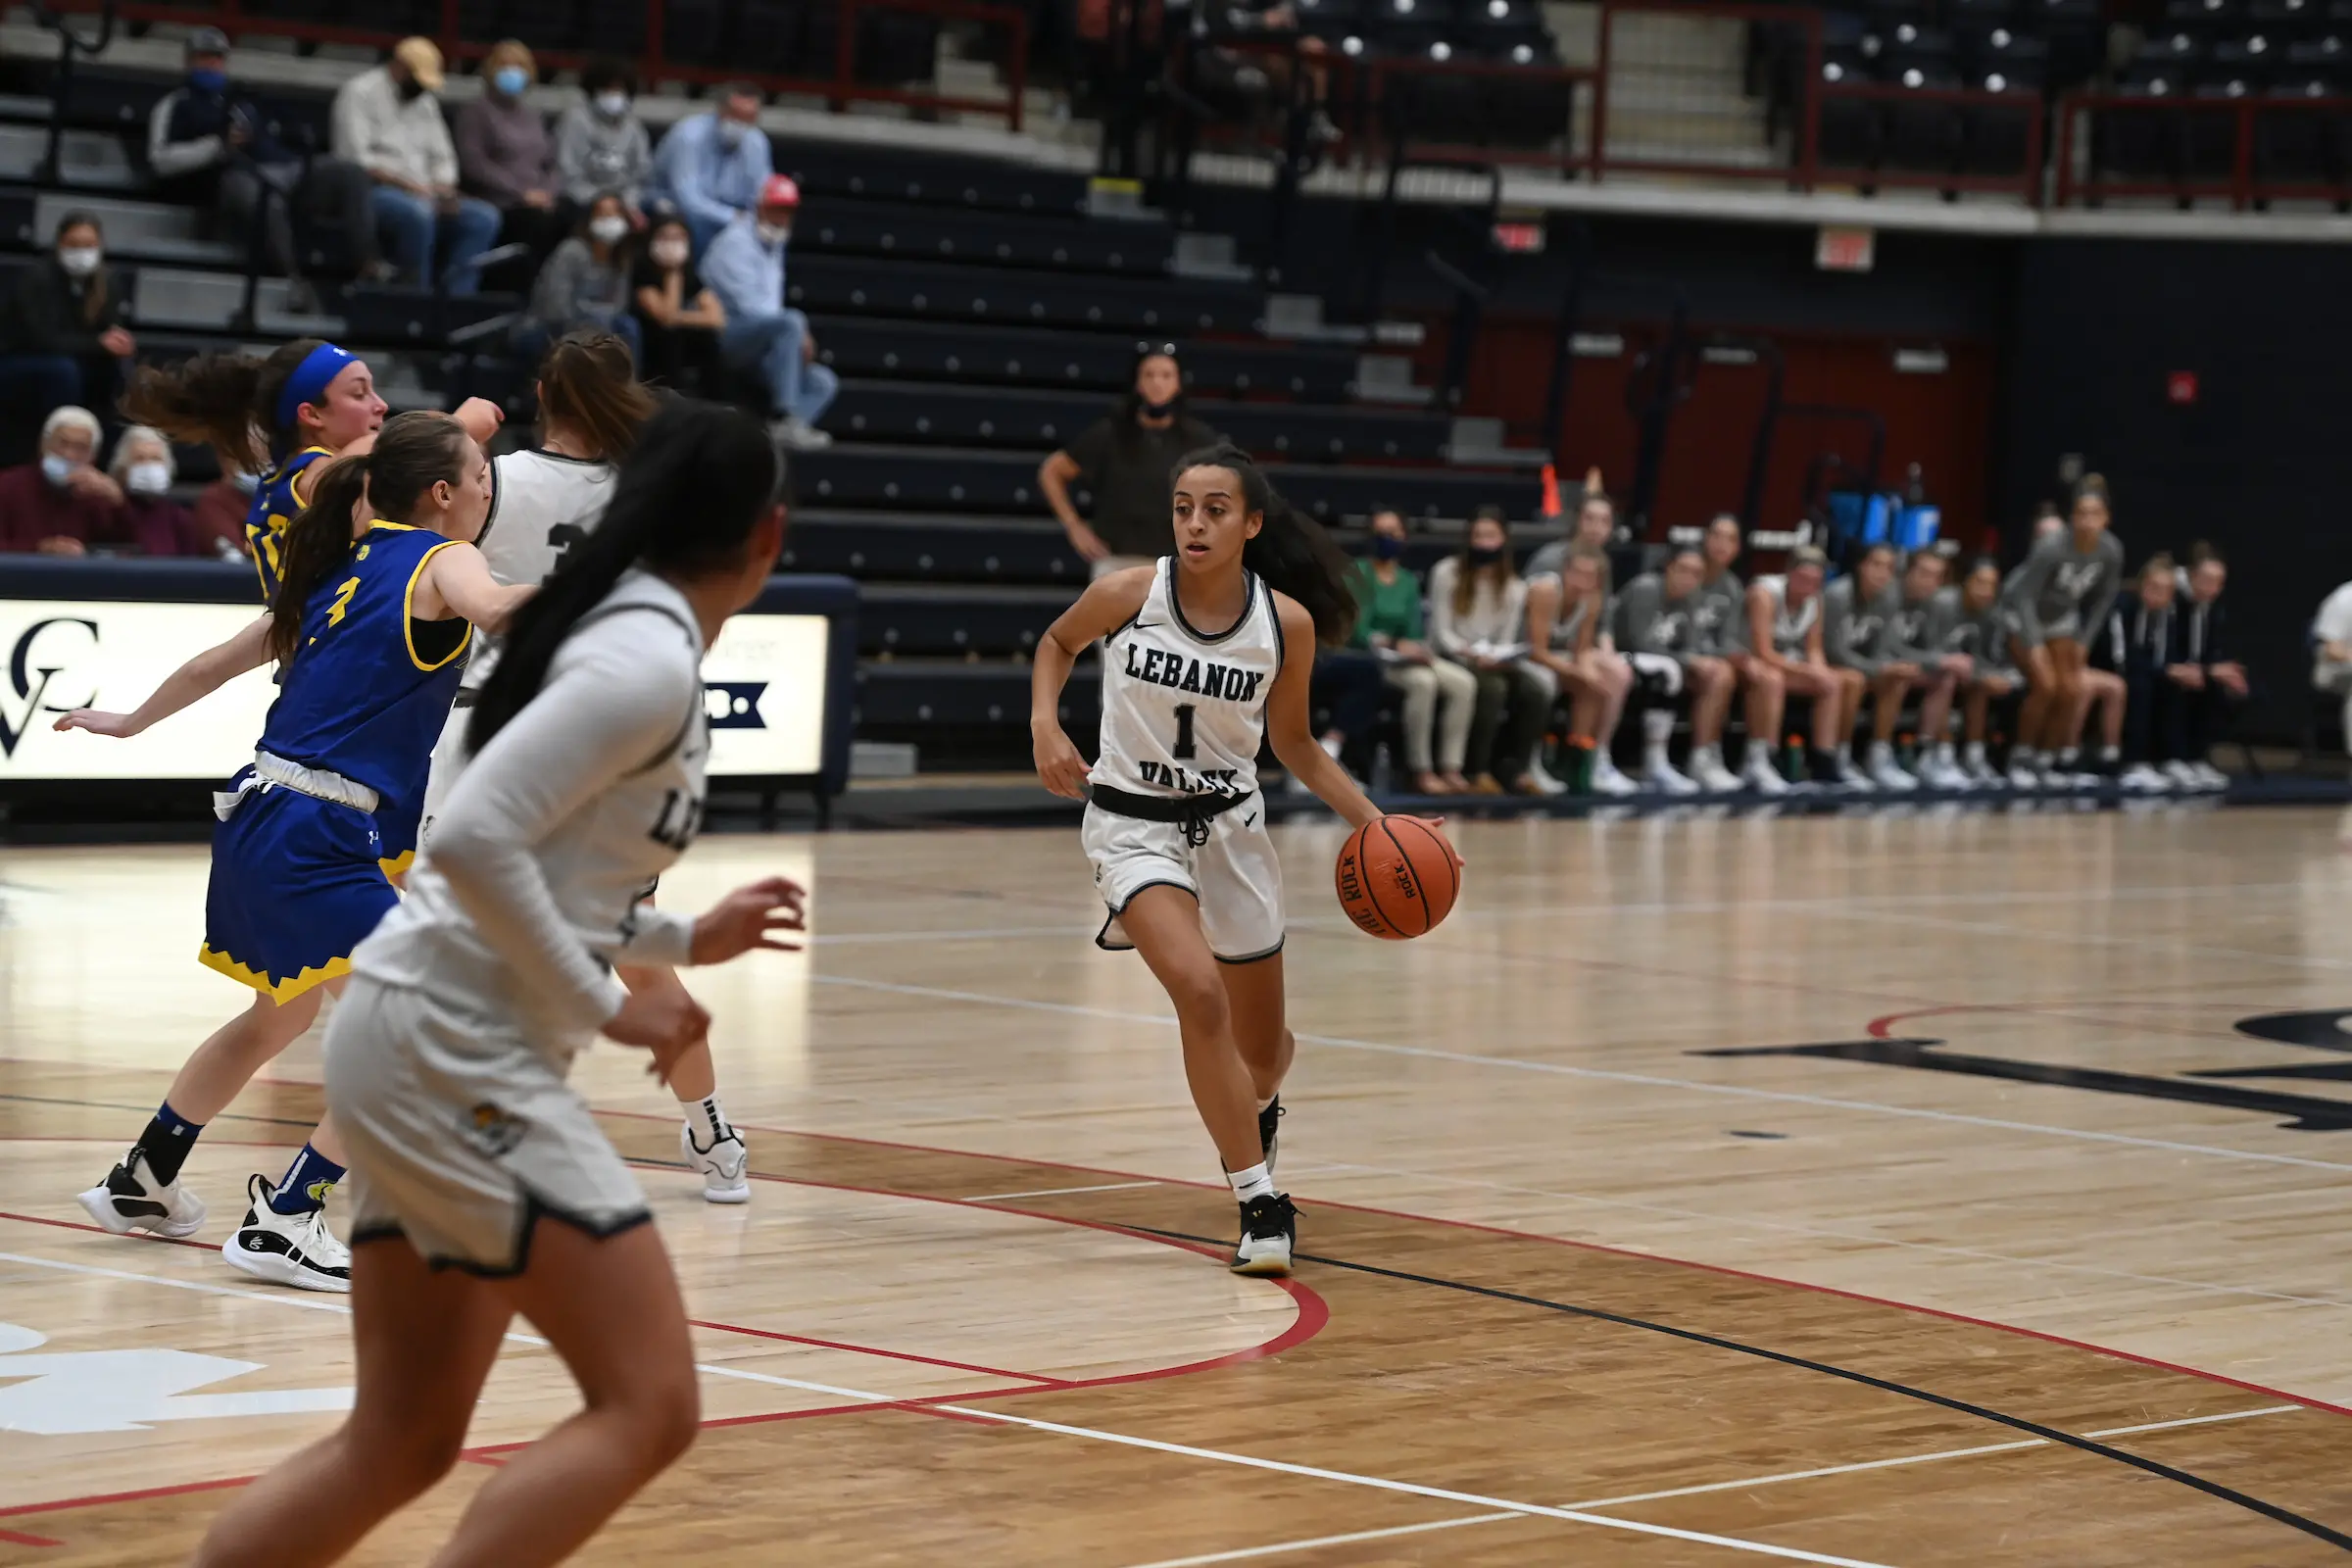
x=2231, y=1495
x=149, y=1111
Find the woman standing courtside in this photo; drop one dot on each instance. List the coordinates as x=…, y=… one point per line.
x=483, y=1187
x=1124, y=458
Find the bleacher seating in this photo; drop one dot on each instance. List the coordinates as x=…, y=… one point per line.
x=979, y=314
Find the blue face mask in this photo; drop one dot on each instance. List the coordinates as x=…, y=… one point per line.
x=511, y=81
x=1387, y=546
x=56, y=470
x=208, y=81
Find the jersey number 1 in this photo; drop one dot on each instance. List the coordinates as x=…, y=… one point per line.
x=1183, y=750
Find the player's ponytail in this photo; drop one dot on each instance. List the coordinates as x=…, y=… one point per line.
x=1290, y=552
x=699, y=480
x=228, y=399
x=414, y=452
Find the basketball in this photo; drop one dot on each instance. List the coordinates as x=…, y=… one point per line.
x=1397, y=879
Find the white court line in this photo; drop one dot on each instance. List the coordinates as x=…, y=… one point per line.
x=1278, y=1548
x=1057, y=1192
x=1605, y=1075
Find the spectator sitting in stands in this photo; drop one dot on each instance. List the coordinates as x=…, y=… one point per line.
x=1976, y=624
x=1125, y=457
x=2206, y=643
x=584, y=284
x=221, y=510
x=505, y=156
x=601, y=148
x=153, y=523
x=1855, y=609
x=1917, y=631
x=744, y=268
x=1657, y=627
x=388, y=121
x=713, y=167
x=211, y=147
x=63, y=342
x=1567, y=623
x=678, y=319
x=61, y=505
x=1478, y=606
x=1389, y=624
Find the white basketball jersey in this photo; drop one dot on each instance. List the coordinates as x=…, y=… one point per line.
x=1185, y=714
x=1789, y=630
x=540, y=505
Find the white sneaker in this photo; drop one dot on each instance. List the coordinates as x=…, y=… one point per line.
x=296, y=1249
x=1544, y=782
x=799, y=435
x=722, y=1165
x=130, y=1198
x=1708, y=771
x=1943, y=773
x=2024, y=775
x=1886, y=774
x=1983, y=773
x=2210, y=777
x=1663, y=775
x=2141, y=778
x=1758, y=774
x=1843, y=776
x=1607, y=779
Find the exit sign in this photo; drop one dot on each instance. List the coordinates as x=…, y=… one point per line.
x=2180, y=387
x=1843, y=249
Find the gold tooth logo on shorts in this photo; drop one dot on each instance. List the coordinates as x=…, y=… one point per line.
x=490, y=1129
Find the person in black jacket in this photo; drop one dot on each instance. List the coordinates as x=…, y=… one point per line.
x=2207, y=644
x=211, y=146
x=61, y=338
x=2145, y=642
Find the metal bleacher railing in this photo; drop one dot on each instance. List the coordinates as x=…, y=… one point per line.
x=1816, y=113
x=638, y=29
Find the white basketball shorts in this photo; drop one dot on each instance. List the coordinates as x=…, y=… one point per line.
x=1235, y=876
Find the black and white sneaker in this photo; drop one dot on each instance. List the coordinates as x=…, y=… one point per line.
x=1269, y=1226
x=722, y=1165
x=130, y=1198
x=296, y=1249
x=1269, y=1131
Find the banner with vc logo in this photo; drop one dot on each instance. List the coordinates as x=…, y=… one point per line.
x=765, y=692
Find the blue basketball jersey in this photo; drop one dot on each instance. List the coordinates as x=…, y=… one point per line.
x=370, y=689
x=273, y=506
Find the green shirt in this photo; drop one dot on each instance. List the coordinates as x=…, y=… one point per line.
x=1388, y=610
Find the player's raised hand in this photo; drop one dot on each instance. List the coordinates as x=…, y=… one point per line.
x=1060, y=767
x=750, y=917
x=481, y=418
x=100, y=723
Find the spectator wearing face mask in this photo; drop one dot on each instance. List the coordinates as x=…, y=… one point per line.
x=678, y=318
x=584, y=284
x=61, y=505
x=221, y=510
x=504, y=154
x=152, y=522
x=211, y=146
x=744, y=268
x=601, y=148
x=388, y=121
x=62, y=339
x=712, y=167
x=1124, y=458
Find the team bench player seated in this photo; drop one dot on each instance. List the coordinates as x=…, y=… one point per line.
x=1660, y=634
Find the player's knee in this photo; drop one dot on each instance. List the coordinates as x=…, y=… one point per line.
x=1199, y=995
x=411, y=1460
x=672, y=1419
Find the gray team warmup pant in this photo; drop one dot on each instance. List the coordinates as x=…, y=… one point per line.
x=1429, y=690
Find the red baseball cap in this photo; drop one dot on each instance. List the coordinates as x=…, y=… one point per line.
x=781, y=190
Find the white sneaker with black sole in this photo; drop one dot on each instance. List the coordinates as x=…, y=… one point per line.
x=296, y=1249
x=2209, y=777
x=130, y=1198
x=1269, y=1229
x=2141, y=779
x=723, y=1165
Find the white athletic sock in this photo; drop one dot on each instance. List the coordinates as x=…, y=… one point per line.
x=2109, y=756
x=1702, y=756
x=1845, y=751
x=1657, y=732
x=2068, y=756
x=708, y=1122
x=1976, y=753
x=1251, y=1182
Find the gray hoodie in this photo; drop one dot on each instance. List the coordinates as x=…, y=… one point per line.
x=2061, y=592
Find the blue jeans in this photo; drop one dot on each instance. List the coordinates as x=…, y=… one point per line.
x=410, y=224
x=772, y=344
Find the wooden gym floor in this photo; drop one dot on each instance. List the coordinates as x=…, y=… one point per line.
x=1900, y=1190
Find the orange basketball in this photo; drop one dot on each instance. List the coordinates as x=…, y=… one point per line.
x=1396, y=878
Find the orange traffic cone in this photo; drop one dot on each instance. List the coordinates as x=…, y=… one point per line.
x=1551, y=493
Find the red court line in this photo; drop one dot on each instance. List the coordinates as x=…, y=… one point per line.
x=870, y=1350
x=100, y=1230
x=17, y=1537
x=140, y=1495
x=1603, y=1248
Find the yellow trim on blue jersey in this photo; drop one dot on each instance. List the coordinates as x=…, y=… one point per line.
x=281, y=992
x=397, y=865
x=294, y=483
x=408, y=605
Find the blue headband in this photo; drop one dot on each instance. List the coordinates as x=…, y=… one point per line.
x=308, y=382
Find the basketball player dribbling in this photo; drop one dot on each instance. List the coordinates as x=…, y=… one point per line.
x=1206, y=655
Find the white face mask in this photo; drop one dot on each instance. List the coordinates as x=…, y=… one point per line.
x=56, y=470
x=150, y=478
x=247, y=482
x=774, y=233
x=612, y=105
x=670, y=253
x=610, y=230
x=79, y=260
